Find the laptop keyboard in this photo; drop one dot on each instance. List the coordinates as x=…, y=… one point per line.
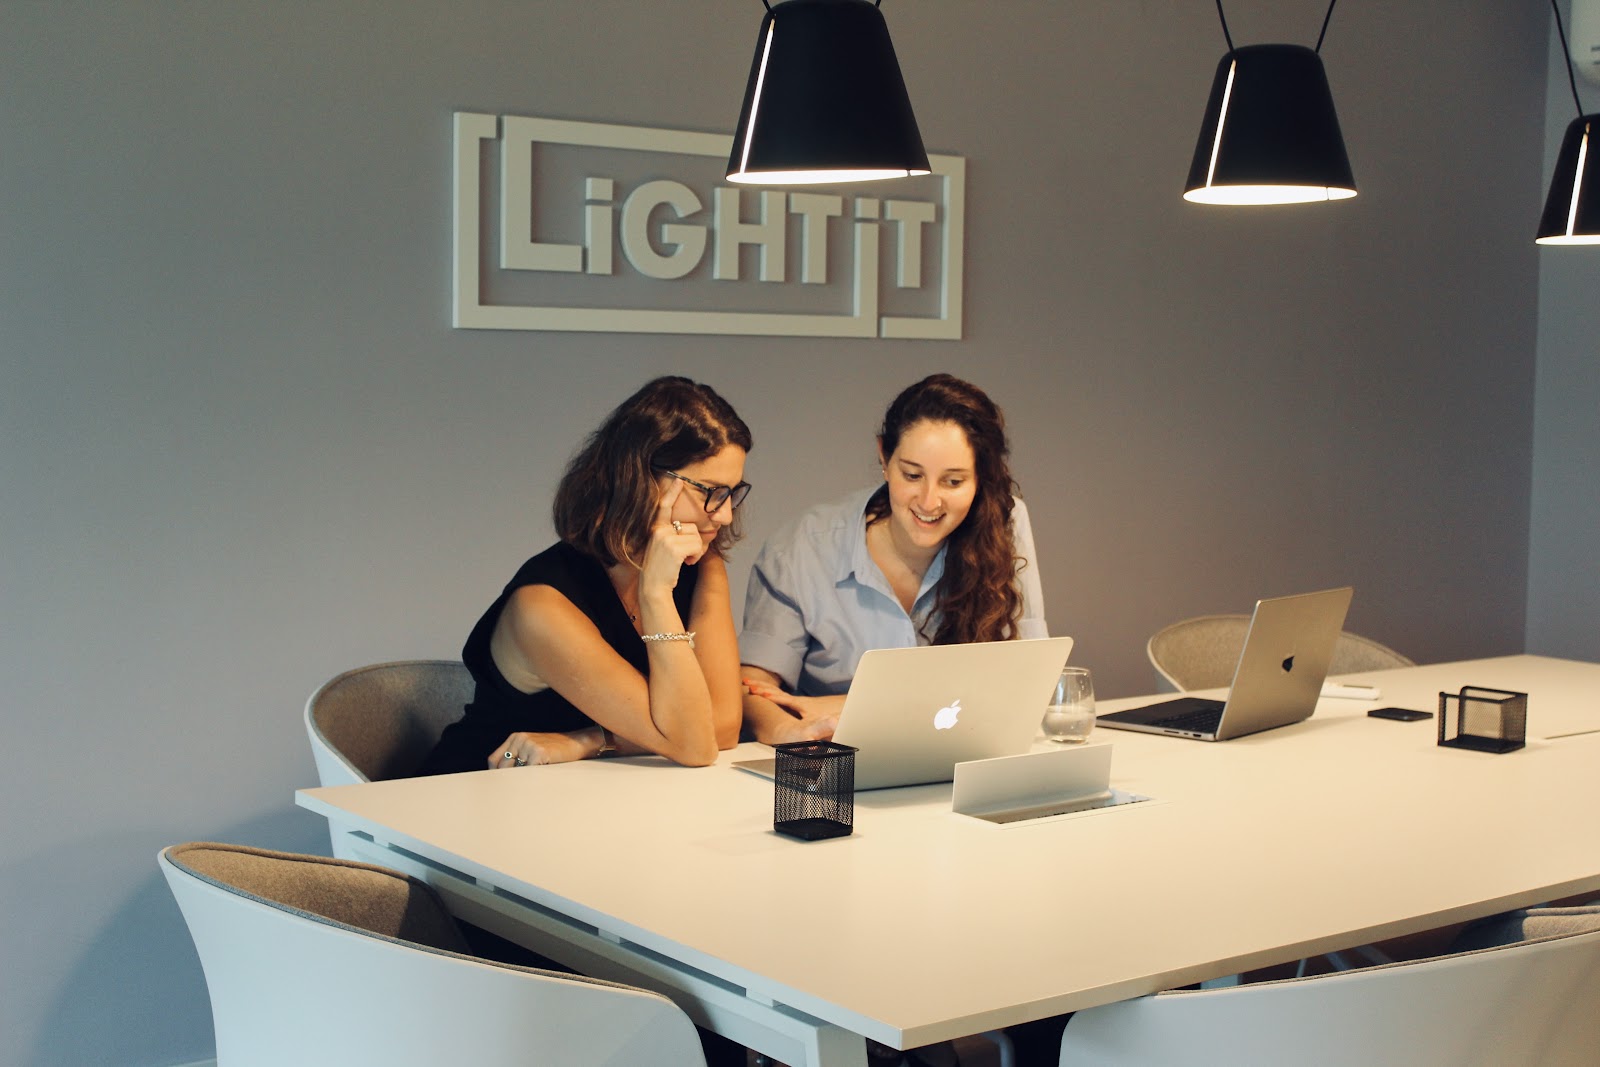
x=1200, y=720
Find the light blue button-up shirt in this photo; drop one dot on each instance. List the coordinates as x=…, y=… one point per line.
x=816, y=600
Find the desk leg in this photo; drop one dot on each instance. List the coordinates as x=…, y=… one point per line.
x=838, y=1047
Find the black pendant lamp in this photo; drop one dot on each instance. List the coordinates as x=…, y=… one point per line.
x=825, y=101
x=1572, y=207
x=1270, y=135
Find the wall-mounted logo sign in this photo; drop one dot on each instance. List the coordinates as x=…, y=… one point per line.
x=581, y=226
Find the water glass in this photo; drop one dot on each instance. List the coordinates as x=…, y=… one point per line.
x=1070, y=716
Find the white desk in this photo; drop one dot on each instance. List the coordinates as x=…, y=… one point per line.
x=926, y=925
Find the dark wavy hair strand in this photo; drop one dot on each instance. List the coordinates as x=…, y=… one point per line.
x=607, y=499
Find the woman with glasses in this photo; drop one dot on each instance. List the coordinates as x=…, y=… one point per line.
x=619, y=638
x=939, y=553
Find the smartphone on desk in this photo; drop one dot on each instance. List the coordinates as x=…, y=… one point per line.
x=1399, y=714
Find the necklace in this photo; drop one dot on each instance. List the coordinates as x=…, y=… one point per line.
x=627, y=590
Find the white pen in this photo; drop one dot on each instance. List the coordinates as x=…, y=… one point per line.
x=1350, y=692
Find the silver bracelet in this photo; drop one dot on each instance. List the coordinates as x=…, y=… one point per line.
x=681, y=635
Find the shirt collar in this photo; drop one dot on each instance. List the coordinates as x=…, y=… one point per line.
x=858, y=564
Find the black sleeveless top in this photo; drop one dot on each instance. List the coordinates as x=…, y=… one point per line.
x=499, y=709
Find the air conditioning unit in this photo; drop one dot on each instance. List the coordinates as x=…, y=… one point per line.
x=1585, y=41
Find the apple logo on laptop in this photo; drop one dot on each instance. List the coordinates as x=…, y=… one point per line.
x=1288, y=665
x=945, y=718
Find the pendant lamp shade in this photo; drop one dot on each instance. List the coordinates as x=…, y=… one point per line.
x=1270, y=135
x=1572, y=210
x=825, y=101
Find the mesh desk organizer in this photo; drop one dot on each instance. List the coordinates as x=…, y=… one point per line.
x=1483, y=720
x=814, y=790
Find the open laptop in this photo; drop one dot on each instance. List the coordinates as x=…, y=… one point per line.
x=1277, y=682
x=912, y=714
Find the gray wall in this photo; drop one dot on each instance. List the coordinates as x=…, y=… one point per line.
x=241, y=449
x=1563, y=575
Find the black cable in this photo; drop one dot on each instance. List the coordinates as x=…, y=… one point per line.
x=1327, y=18
x=1224, y=19
x=1566, y=53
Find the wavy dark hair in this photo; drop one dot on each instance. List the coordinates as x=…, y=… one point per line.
x=607, y=499
x=978, y=598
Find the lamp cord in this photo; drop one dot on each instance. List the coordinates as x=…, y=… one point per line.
x=878, y=5
x=1326, y=19
x=1226, y=36
x=1566, y=53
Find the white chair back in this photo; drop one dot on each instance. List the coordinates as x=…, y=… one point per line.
x=1533, y=1002
x=289, y=984
x=381, y=721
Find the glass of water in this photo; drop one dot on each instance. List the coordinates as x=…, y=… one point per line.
x=1070, y=716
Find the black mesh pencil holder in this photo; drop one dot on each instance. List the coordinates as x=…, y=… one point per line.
x=1483, y=720
x=814, y=790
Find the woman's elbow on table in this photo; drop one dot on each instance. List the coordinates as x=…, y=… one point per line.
x=698, y=751
x=694, y=756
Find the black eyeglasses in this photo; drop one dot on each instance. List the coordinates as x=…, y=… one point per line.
x=716, y=495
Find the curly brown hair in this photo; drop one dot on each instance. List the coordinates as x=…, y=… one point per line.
x=978, y=597
x=607, y=499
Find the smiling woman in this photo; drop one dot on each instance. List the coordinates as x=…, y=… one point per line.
x=940, y=553
x=619, y=638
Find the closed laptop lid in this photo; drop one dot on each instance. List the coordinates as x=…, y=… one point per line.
x=914, y=713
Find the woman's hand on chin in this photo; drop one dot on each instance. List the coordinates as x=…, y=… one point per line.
x=672, y=544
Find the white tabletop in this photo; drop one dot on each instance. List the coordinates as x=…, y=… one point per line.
x=925, y=924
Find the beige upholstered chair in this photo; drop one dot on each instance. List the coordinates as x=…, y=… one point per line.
x=1531, y=996
x=381, y=722
x=1202, y=652
x=313, y=961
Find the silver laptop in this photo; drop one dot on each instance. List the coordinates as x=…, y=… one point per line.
x=1277, y=682
x=912, y=714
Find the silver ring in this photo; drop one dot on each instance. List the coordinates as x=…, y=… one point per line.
x=677, y=527
x=508, y=754
x=521, y=762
